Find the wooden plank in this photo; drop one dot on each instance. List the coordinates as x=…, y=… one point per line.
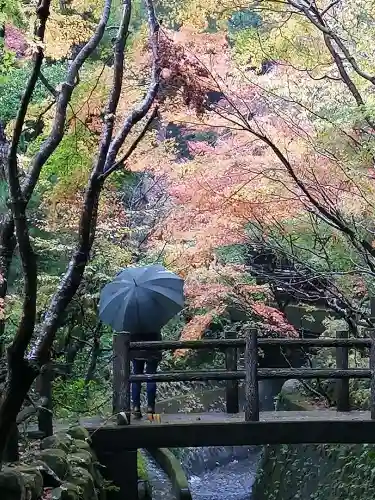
x=173, y=345
x=342, y=385
x=121, y=376
x=221, y=417
x=263, y=373
x=231, y=393
x=251, y=378
x=296, y=428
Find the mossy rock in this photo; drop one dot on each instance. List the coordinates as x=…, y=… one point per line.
x=12, y=485
x=83, y=459
x=56, y=460
x=67, y=491
x=50, y=478
x=84, y=480
x=79, y=444
x=33, y=480
x=60, y=441
x=78, y=432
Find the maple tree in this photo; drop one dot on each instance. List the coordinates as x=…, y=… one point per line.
x=271, y=146
x=285, y=145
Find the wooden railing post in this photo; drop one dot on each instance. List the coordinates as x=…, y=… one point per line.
x=231, y=400
x=45, y=418
x=342, y=385
x=251, y=379
x=121, y=376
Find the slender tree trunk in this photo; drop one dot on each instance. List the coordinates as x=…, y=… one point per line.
x=4, y=147
x=21, y=376
x=7, y=247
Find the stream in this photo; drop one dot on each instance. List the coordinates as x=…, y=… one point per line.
x=221, y=472
x=215, y=473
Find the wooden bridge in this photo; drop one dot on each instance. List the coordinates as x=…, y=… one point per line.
x=117, y=439
x=340, y=425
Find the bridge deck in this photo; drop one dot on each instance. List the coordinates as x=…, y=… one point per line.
x=221, y=429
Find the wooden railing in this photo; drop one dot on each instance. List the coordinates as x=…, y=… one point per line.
x=251, y=374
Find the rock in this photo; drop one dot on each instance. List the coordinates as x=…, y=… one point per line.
x=67, y=491
x=12, y=485
x=79, y=444
x=83, y=479
x=83, y=459
x=56, y=460
x=78, y=432
x=50, y=479
x=33, y=480
x=60, y=441
x=291, y=385
x=142, y=490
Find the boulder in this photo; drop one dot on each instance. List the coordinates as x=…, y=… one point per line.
x=79, y=444
x=60, y=441
x=67, y=491
x=50, y=479
x=56, y=460
x=33, y=480
x=78, y=432
x=83, y=459
x=83, y=479
x=12, y=484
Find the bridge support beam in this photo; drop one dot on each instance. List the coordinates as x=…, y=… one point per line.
x=120, y=469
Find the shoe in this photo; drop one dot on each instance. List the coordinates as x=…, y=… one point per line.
x=137, y=414
x=150, y=410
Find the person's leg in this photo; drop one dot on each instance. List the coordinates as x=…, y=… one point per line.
x=138, y=369
x=151, y=367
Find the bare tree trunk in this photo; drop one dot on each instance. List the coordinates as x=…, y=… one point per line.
x=21, y=376
x=25, y=358
x=4, y=146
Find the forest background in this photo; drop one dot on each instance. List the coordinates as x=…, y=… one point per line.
x=241, y=158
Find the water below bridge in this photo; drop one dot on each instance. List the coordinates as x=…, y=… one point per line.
x=214, y=473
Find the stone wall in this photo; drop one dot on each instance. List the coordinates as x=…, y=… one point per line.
x=64, y=468
x=314, y=472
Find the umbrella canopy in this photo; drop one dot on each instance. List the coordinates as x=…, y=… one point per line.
x=141, y=299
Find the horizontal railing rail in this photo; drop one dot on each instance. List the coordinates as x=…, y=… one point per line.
x=174, y=345
x=251, y=373
x=262, y=374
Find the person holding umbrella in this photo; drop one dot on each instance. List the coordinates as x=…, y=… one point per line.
x=144, y=362
x=140, y=301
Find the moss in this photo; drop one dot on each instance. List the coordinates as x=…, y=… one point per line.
x=67, y=491
x=80, y=433
x=83, y=479
x=314, y=472
x=142, y=469
x=12, y=485
x=56, y=460
x=172, y=467
x=60, y=441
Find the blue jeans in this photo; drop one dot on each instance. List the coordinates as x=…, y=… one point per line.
x=138, y=369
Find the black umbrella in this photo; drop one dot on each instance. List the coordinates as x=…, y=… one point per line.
x=141, y=299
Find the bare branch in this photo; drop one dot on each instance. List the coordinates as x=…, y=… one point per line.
x=18, y=205
x=120, y=163
x=65, y=94
x=142, y=109
x=73, y=276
